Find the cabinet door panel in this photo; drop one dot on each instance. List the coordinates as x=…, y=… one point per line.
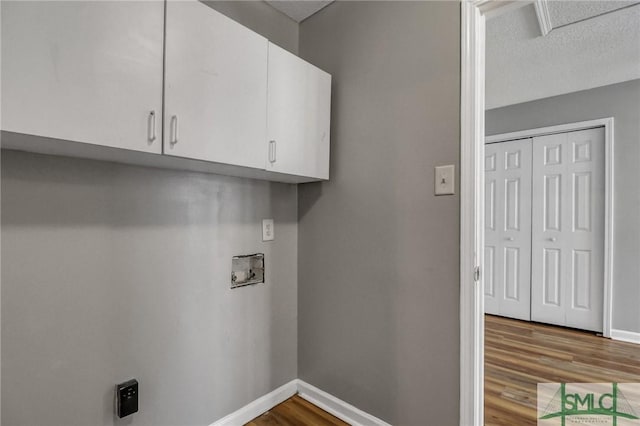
x=215, y=87
x=84, y=71
x=299, y=107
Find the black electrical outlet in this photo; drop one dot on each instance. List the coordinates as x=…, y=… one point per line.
x=127, y=398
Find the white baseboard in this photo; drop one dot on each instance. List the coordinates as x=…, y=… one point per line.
x=337, y=407
x=259, y=406
x=317, y=397
x=625, y=336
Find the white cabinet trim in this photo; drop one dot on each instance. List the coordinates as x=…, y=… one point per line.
x=50, y=146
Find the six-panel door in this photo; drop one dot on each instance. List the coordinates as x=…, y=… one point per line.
x=215, y=87
x=299, y=107
x=507, y=252
x=84, y=71
x=568, y=229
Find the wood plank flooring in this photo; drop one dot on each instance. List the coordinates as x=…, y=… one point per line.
x=296, y=411
x=520, y=354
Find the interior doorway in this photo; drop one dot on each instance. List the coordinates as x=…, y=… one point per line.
x=473, y=102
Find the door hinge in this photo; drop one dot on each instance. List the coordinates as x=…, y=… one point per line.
x=476, y=274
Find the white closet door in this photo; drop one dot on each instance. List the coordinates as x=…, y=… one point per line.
x=508, y=229
x=568, y=229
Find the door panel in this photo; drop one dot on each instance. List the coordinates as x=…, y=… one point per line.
x=489, y=281
x=215, y=87
x=551, y=273
x=490, y=205
x=552, y=185
x=84, y=71
x=299, y=113
x=508, y=228
x=512, y=275
x=582, y=201
x=512, y=204
x=581, y=279
x=568, y=221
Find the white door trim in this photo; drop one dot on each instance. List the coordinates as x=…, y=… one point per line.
x=472, y=102
x=472, y=105
x=608, y=124
x=471, y=192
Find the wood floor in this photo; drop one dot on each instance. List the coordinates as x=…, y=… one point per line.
x=519, y=355
x=296, y=411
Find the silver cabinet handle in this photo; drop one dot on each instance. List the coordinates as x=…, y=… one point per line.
x=552, y=239
x=151, y=130
x=174, y=130
x=509, y=238
x=272, y=151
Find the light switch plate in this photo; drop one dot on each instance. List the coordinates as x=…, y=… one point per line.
x=444, y=182
x=268, y=230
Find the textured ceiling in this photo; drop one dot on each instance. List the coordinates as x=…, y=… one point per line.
x=521, y=65
x=566, y=12
x=299, y=10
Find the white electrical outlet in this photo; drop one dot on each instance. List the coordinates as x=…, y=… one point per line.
x=268, y=231
x=444, y=183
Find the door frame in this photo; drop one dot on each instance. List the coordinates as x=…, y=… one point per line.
x=608, y=124
x=473, y=14
x=472, y=140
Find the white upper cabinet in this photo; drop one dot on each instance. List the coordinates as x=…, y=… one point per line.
x=84, y=71
x=186, y=82
x=215, y=87
x=298, y=116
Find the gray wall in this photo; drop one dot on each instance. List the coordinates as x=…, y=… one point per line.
x=621, y=101
x=263, y=19
x=378, y=253
x=111, y=272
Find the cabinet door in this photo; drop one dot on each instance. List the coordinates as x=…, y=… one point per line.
x=84, y=71
x=299, y=107
x=507, y=254
x=215, y=87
